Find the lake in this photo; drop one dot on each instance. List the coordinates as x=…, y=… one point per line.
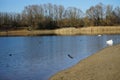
x=39, y=57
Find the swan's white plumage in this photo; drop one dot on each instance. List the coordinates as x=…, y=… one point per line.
x=109, y=42
x=99, y=35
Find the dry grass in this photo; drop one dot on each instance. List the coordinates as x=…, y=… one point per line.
x=89, y=30
x=27, y=33
x=101, y=30
x=104, y=65
x=66, y=31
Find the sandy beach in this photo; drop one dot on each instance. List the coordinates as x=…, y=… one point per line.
x=103, y=65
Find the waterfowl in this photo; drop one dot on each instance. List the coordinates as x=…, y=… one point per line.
x=109, y=42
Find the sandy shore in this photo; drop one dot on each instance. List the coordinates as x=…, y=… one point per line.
x=104, y=65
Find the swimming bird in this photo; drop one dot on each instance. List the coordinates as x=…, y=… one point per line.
x=109, y=42
x=10, y=54
x=70, y=56
x=99, y=35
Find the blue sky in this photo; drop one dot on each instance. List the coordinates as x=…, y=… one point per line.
x=18, y=5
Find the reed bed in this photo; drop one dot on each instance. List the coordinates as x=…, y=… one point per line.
x=89, y=30
x=66, y=31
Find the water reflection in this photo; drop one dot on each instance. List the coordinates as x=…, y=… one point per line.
x=37, y=58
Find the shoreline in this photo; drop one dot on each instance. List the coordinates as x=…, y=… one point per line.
x=103, y=65
x=65, y=31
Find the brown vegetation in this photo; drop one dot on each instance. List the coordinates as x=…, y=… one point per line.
x=49, y=16
x=65, y=31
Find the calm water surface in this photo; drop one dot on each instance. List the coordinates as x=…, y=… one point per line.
x=37, y=58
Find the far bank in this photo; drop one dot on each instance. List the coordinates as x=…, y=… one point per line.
x=98, y=30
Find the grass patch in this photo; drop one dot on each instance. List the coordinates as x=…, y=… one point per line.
x=65, y=31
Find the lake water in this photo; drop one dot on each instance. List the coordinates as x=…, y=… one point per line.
x=39, y=57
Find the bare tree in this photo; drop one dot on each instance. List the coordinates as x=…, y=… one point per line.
x=96, y=14
x=117, y=15
x=73, y=15
x=49, y=16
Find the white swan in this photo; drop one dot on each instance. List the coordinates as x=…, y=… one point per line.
x=99, y=35
x=109, y=42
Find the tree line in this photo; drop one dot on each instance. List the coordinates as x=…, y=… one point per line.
x=49, y=16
